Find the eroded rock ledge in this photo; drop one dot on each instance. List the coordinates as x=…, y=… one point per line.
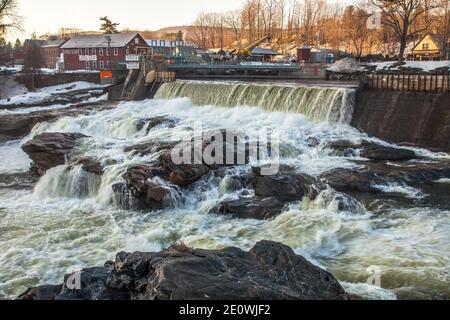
x=269, y=271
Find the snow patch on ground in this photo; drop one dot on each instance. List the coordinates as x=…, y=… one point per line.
x=424, y=65
x=47, y=92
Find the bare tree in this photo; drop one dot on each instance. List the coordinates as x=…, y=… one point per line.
x=399, y=15
x=443, y=27
x=232, y=20
x=9, y=17
x=355, y=28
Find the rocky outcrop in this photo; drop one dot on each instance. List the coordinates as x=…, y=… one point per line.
x=49, y=150
x=370, y=150
x=366, y=184
x=17, y=126
x=272, y=193
x=269, y=271
x=143, y=190
x=152, y=123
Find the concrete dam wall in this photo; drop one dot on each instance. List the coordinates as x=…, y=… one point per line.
x=416, y=118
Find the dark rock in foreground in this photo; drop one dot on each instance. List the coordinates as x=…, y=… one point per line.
x=49, y=150
x=270, y=271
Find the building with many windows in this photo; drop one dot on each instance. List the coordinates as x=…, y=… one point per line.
x=101, y=52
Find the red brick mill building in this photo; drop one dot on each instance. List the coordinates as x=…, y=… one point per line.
x=101, y=52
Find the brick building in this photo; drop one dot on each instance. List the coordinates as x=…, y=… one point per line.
x=101, y=52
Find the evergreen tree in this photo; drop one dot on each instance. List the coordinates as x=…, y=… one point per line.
x=107, y=26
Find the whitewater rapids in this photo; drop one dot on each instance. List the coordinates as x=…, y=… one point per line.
x=69, y=220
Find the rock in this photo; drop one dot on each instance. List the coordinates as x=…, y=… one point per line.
x=92, y=286
x=251, y=208
x=364, y=184
x=43, y=293
x=285, y=187
x=313, y=142
x=17, y=126
x=152, y=123
x=49, y=150
x=370, y=150
x=272, y=193
x=143, y=190
x=374, y=151
x=182, y=174
x=88, y=164
x=269, y=271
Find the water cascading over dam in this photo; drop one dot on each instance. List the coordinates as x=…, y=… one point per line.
x=334, y=105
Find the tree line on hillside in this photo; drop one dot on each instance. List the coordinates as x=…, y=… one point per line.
x=290, y=23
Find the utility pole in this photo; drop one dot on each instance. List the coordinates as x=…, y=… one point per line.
x=108, y=39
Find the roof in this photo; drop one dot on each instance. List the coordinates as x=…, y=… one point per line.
x=433, y=38
x=33, y=42
x=54, y=43
x=264, y=52
x=118, y=40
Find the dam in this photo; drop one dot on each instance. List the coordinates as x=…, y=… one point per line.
x=412, y=118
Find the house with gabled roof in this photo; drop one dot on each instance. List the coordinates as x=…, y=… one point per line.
x=102, y=51
x=428, y=48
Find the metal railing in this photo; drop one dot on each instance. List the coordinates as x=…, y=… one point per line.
x=418, y=82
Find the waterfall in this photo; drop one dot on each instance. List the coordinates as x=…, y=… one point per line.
x=334, y=105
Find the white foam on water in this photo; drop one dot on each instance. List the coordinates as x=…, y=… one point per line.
x=69, y=219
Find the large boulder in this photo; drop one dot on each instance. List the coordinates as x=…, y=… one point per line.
x=49, y=150
x=251, y=208
x=144, y=190
x=370, y=150
x=273, y=193
x=269, y=271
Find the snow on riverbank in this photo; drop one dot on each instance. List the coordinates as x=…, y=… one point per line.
x=424, y=65
x=47, y=92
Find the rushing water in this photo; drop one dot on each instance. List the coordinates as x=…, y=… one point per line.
x=317, y=104
x=69, y=221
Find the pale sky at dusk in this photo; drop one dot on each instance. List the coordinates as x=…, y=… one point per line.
x=42, y=16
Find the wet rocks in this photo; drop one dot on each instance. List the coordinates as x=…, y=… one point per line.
x=42, y=293
x=17, y=126
x=88, y=164
x=272, y=193
x=50, y=150
x=370, y=150
x=152, y=123
x=251, y=208
x=379, y=185
x=144, y=190
x=269, y=271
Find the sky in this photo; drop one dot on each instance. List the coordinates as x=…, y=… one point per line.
x=42, y=16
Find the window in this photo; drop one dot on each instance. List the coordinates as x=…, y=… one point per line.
x=102, y=65
x=136, y=40
x=162, y=43
x=426, y=46
x=154, y=43
x=100, y=51
x=94, y=64
x=88, y=65
x=94, y=51
x=108, y=65
x=107, y=52
x=86, y=51
x=128, y=51
x=116, y=51
x=80, y=52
